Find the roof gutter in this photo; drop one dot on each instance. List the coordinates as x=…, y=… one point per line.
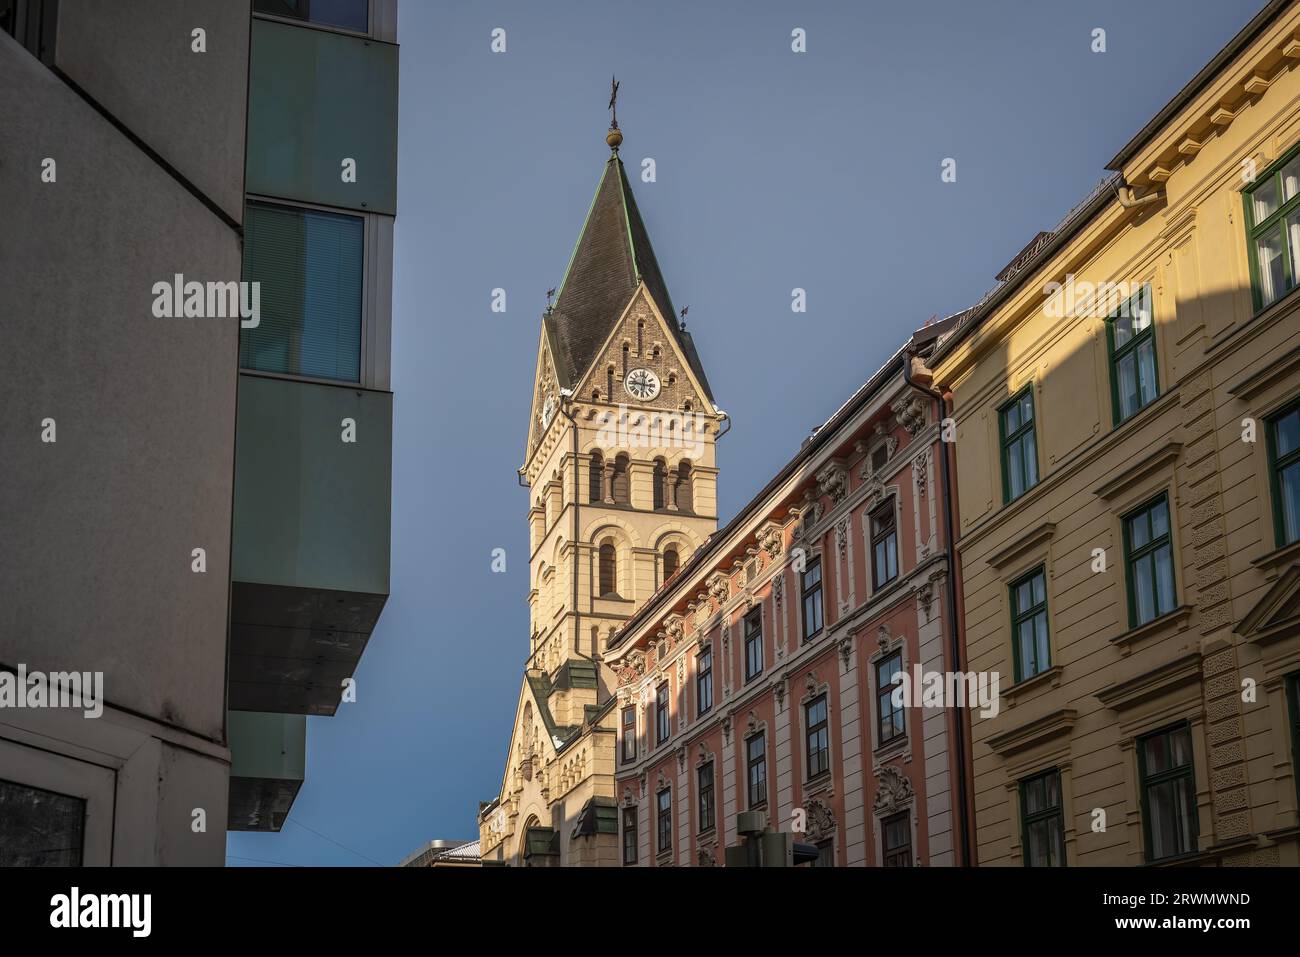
x=912, y=368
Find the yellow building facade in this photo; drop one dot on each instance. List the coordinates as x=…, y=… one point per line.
x=1127, y=415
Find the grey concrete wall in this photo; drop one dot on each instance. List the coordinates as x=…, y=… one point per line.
x=136, y=60
x=153, y=796
x=98, y=527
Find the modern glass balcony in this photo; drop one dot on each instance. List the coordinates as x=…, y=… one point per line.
x=315, y=99
x=268, y=761
x=310, y=549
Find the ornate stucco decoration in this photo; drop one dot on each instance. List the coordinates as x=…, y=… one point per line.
x=707, y=856
x=633, y=668
x=726, y=729
x=703, y=755
x=910, y=412
x=673, y=628
x=833, y=481
x=894, y=790
x=875, y=489
x=751, y=722
x=778, y=592
x=681, y=758
x=779, y=690
x=882, y=637
x=770, y=539
x=821, y=821
x=846, y=651
x=924, y=599
x=842, y=537
x=703, y=612
x=920, y=472
x=719, y=588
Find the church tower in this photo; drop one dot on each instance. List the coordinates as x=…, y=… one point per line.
x=619, y=465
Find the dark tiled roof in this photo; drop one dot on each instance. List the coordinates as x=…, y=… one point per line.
x=613, y=254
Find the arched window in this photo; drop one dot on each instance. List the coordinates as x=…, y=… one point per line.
x=609, y=384
x=660, y=483
x=640, y=338
x=619, y=484
x=608, y=571
x=596, y=478
x=625, y=352
x=682, y=487
x=671, y=562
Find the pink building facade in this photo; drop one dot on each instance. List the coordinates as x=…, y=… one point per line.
x=760, y=675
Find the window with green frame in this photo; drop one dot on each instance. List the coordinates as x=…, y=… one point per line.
x=1149, y=562
x=1042, y=820
x=1019, y=445
x=1131, y=342
x=1029, y=639
x=1273, y=229
x=1169, y=817
x=1284, y=473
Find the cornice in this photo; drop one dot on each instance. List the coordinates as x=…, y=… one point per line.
x=1164, y=455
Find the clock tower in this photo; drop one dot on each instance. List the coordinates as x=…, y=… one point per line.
x=620, y=468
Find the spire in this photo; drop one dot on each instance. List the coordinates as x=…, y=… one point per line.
x=612, y=256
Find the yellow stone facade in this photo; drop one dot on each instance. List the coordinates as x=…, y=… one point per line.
x=1215, y=666
x=556, y=804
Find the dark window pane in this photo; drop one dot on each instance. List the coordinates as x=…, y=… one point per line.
x=348, y=14
x=40, y=828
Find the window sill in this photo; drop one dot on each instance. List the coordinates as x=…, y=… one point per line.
x=891, y=748
x=1286, y=555
x=819, y=785
x=1050, y=677
x=1166, y=625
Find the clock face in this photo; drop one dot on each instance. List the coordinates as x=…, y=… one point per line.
x=642, y=384
x=548, y=411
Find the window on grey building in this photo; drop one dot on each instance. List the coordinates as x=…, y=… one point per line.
x=348, y=14
x=308, y=265
x=40, y=828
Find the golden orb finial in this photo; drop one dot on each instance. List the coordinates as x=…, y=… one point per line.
x=614, y=138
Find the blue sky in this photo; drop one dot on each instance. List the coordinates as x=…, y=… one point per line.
x=775, y=170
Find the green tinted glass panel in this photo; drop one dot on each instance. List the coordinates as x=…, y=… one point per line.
x=309, y=265
x=317, y=98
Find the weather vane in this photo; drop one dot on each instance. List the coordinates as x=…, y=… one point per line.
x=613, y=103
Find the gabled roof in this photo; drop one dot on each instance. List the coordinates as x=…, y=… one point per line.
x=612, y=256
